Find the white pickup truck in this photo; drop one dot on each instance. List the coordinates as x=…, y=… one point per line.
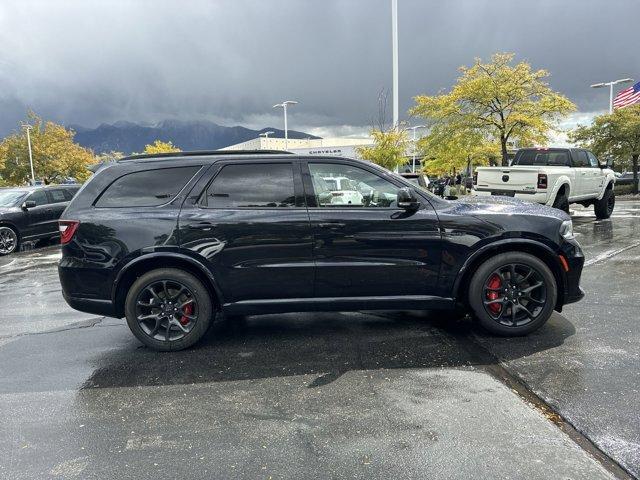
x=552, y=176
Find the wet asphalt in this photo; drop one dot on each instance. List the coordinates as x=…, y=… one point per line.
x=328, y=395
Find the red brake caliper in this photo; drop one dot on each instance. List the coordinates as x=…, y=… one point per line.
x=188, y=309
x=493, y=285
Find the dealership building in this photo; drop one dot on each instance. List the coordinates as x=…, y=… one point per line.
x=336, y=146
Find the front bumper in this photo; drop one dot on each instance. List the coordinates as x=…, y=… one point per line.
x=572, y=292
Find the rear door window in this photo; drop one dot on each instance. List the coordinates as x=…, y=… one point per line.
x=57, y=196
x=251, y=186
x=148, y=188
x=543, y=158
x=580, y=159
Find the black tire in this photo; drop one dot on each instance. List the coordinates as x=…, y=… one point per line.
x=164, y=293
x=603, y=208
x=522, y=323
x=561, y=202
x=9, y=240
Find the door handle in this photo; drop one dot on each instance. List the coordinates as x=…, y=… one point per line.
x=200, y=226
x=331, y=225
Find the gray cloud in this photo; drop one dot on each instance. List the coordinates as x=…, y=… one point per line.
x=88, y=62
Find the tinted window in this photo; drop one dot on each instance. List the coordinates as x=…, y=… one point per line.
x=593, y=161
x=148, y=188
x=68, y=194
x=252, y=185
x=542, y=158
x=40, y=197
x=580, y=158
x=9, y=198
x=356, y=187
x=57, y=196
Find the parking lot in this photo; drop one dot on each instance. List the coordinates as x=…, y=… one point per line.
x=347, y=395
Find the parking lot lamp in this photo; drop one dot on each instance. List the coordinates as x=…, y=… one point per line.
x=28, y=128
x=284, y=108
x=413, y=163
x=610, y=85
x=265, y=135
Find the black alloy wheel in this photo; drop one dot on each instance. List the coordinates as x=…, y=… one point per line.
x=513, y=293
x=8, y=240
x=168, y=309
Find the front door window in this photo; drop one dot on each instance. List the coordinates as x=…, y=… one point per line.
x=340, y=185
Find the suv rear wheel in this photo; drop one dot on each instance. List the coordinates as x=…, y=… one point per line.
x=168, y=309
x=513, y=293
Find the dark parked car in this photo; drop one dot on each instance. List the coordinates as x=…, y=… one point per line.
x=31, y=213
x=169, y=240
x=418, y=179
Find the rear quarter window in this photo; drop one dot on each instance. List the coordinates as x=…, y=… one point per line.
x=147, y=188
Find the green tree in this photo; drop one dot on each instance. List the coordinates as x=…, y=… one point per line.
x=498, y=100
x=447, y=151
x=616, y=134
x=160, y=147
x=389, y=149
x=55, y=155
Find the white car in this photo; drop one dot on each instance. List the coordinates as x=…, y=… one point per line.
x=344, y=191
x=552, y=176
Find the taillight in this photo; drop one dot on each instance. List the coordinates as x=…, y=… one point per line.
x=67, y=230
x=542, y=180
x=475, y=178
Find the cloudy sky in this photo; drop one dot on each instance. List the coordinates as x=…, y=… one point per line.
x=88, y=62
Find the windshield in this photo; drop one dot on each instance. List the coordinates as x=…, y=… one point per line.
x=544, y=158
x=9, y=198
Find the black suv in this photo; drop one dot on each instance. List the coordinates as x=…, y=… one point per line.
x=31, y=213
x=169, y=240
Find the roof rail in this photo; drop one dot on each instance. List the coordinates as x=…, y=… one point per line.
x=197, y=153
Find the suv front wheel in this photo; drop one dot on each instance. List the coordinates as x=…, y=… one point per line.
x=513, y=293
x=168, y=309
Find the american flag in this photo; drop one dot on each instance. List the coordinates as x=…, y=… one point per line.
x=627, y=97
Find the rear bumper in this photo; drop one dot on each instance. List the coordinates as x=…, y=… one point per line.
x=535, y=197
x=91, y=305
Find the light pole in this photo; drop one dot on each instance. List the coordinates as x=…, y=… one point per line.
x=394, y=46
x=28, y=128
x=284, y=108
x=610, y=85
x=413, y=163
x=266, y=137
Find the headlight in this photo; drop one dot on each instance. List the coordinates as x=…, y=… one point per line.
x=566, y=230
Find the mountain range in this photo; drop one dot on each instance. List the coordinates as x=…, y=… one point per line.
x=128, y=137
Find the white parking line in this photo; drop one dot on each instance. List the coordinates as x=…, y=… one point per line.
x=5, y=266
x=610, y=253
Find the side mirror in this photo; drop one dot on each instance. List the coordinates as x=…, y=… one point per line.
x=407, y=199
x=28, y=204
x=610, y=163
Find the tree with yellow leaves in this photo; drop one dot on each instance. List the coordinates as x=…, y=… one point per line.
x=389, y=149
x=160, y=147
x=447, y=151
x=56, y=156
x=499, y=101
